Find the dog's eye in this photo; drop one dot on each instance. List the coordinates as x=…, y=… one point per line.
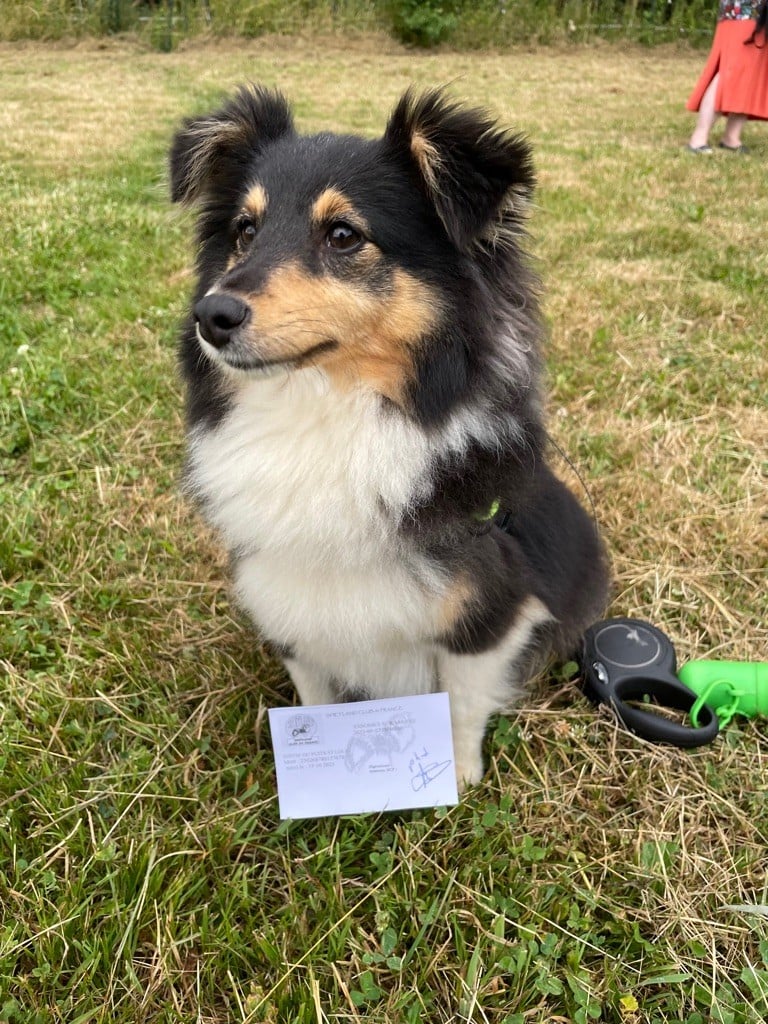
x=343, y=238
x=246, y=231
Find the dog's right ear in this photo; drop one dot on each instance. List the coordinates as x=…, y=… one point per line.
x=478, y=176
x=231, y=136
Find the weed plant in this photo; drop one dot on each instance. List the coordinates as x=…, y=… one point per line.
x=144, y=874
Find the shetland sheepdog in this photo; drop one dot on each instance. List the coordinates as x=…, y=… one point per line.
x=363, y=369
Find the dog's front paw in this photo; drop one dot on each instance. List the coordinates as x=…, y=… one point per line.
x=469, y=771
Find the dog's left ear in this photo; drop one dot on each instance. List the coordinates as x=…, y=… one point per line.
x=476, y=174
x=226, y=140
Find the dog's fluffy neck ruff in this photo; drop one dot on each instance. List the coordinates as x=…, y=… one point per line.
x=298, y=467
x=329, y=476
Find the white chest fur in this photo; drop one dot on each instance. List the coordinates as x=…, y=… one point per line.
x=304, y=485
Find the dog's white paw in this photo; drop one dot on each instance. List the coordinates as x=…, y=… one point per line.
x=469, y=772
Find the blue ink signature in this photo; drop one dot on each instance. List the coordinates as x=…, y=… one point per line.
x=422, y=774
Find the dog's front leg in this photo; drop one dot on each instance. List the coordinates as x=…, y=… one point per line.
x=477, y=685
x=481, y=683
x=312, y=685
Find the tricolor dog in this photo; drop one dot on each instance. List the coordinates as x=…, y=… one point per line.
x=364, y=407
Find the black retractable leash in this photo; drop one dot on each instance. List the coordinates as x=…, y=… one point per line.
x=630, y=666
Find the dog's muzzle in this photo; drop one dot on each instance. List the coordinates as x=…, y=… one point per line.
x=219, y=316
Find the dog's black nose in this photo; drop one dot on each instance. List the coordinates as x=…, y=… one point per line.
x=218, y=317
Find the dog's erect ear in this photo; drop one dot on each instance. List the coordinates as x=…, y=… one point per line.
x=233, y=135
x=478, y=176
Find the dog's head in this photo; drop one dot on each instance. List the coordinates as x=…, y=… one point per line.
x=373, y=259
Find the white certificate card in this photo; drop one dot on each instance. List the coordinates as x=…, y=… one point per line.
x=368, y=756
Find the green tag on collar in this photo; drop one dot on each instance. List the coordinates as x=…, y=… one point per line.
x=493, y=511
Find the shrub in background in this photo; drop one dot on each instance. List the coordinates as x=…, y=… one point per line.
x=460, y=23
x=423, y=22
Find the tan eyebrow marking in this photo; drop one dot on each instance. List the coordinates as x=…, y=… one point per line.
x=256, y=201
x=334, y=205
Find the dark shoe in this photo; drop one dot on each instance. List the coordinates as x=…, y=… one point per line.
x=734, y=149
x=698, y=149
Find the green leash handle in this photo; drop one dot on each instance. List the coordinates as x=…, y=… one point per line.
x=729, y=687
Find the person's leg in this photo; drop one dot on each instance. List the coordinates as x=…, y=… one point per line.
x=707, y=116
x=732, y=135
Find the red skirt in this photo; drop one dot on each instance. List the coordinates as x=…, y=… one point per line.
x=743, y=84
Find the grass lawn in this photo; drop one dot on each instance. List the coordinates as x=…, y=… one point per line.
x=144, y=874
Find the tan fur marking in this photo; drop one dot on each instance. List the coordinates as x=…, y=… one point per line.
x=256, y=201
x=333, y=205
x=427, y=157
x=376, y=335
x=381, y=351
x=459, y=596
